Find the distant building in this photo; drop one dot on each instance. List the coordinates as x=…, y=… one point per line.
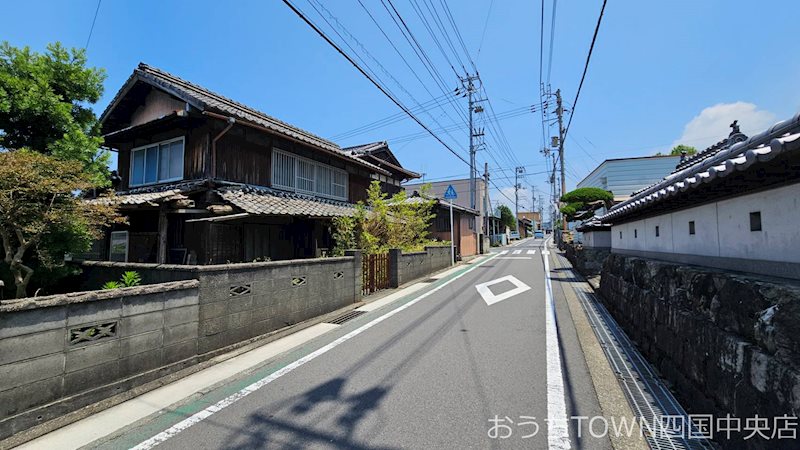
x=624, y=176
x=535, y=218
x=461, y=186
x=465, y=220
x=733, y=206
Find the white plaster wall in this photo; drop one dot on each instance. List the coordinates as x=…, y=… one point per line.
x=600, y=239
x=723, y=229
x=705, y=241
x=779, y=239
x=662, y=242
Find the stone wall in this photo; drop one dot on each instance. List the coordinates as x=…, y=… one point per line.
x=586, y=260
x=729, y=343
x=83, y=347
x=405, y=267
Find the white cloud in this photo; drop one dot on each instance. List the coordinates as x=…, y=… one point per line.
x=712, y=124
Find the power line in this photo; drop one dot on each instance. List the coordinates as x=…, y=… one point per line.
x=419, y=51
x=91, y=29
x=371, y=79
x=394, y=118
x=389, y=74
x=586, y=66
x=552, y=40
x=485, y=26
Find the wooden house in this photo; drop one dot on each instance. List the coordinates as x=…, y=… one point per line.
x=204, y=179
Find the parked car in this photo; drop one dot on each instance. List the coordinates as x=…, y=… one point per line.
x=538, y=234
x=514, y=235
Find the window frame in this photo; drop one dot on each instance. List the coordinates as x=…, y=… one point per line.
x=296, y=175
x=755, y=221
x=692, y=228
x=157, y=145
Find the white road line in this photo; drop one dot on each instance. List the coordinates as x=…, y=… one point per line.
x=517, y=252
x=228, y=401
x=531, y=252
x=490, y=298
x=514, y=257
x=504, y=252
x=557, y=432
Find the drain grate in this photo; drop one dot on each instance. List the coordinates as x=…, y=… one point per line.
x=429, y=280
x=649, y=397
x=350, y=315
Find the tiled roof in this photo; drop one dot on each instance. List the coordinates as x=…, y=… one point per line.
x=592, y=224
x=781, y=137
x=365, y=151
x=205, y=99
x=272, y=202
x=365, y=148
x=150, y=194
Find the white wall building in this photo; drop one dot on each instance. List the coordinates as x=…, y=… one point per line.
x=734, y=206
x=624, y=176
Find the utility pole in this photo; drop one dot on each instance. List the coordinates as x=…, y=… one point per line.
x=560, y=113
x=486, y=198
x=471, y=83
x=517, y=172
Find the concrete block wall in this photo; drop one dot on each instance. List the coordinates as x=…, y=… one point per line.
x=83, y=347
x=241, y=301
x=410, y=266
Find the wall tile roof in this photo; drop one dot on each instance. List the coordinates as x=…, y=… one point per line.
x=721, y=162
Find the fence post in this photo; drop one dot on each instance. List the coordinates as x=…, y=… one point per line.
x=358, y=273
x=395, y=277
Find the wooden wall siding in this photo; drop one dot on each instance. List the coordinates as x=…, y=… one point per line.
x=244, y=156
x=357, y=190
x=224, y=243
x=195, y=151
x=157, y=104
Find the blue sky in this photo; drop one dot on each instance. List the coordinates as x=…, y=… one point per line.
x=662, y=72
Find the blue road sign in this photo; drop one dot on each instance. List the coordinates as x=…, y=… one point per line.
x=450, y=193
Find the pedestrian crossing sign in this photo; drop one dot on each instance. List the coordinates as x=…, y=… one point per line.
x=450, y=193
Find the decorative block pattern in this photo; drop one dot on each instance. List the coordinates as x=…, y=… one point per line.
x=92, y=333
x=240, y=289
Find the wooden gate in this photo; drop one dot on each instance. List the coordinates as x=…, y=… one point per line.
x=375, y=273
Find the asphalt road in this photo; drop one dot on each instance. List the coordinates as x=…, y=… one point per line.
x=433, y=374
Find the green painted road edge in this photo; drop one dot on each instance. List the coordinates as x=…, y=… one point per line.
x=130, y=437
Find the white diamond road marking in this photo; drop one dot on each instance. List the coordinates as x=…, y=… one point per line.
x=491, y=298
x=531, y=252
x=517, y=252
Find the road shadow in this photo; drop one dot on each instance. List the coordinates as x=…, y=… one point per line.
x=292, y=431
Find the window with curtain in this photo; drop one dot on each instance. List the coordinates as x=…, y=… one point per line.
x=157, y=163
x=294, y=173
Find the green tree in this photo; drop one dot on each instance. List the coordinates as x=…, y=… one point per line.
x=580, y=199
x=44, y=106
x=679, y=149
x=383, y=222
x=41, y=217
x=507, y=217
